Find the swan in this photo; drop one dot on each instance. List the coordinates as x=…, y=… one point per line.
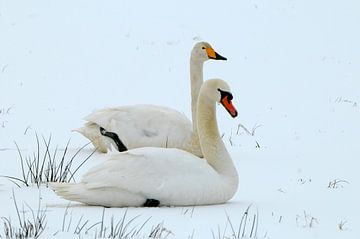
x=153, y=176
x=137, y=126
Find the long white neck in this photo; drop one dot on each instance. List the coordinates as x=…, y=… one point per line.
x=211, y=143
x=196, y=79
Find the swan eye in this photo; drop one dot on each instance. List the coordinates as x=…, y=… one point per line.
x=224, y=94
x=203, y=48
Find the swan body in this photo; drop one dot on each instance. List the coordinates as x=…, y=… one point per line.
x=148, y=125
x=168, y=176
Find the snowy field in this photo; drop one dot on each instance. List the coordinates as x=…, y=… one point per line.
x=293, y=66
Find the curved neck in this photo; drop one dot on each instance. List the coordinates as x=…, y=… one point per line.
x=212, y=146
x=196, y=80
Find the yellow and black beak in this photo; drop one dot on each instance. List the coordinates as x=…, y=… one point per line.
x=214, y=55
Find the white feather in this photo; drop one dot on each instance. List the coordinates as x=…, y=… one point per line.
x=149, y=125
x=173, y=177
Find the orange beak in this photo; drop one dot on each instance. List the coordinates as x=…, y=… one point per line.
x=211, y=53
x=214, y=55
x=229, y=106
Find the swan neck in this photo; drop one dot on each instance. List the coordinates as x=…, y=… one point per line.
x=196, y=79
x=212, y=146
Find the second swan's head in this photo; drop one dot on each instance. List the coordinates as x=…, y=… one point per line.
x=203, y=51
x=219, y=91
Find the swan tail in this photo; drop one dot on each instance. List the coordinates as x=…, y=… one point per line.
x=107, y=197
x=70, y=191
x=92, y=132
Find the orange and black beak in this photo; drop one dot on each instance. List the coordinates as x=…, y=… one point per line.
x=214, y=55
x=226, y=98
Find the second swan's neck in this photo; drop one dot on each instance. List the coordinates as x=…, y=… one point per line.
x=212, y=146
x=196, y=79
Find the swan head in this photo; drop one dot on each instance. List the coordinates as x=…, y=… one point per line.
x=203, y=51
x=219, y=91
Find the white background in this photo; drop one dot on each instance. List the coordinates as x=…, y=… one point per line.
x=293, y=66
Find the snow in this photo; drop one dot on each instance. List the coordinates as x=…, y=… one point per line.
x=294, y=70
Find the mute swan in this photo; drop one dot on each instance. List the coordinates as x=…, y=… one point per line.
x=148, y=125
x=152, y=176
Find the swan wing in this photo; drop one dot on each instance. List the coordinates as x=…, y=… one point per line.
x=144, y=125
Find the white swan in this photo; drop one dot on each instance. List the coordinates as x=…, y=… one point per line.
x=148, y=125
x=162, y=176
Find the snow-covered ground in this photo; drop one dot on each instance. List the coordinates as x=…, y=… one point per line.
x=293, y=66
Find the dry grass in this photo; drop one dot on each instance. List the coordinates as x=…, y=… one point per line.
x=28, y=226
x=44, y=166
x=247, y=227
